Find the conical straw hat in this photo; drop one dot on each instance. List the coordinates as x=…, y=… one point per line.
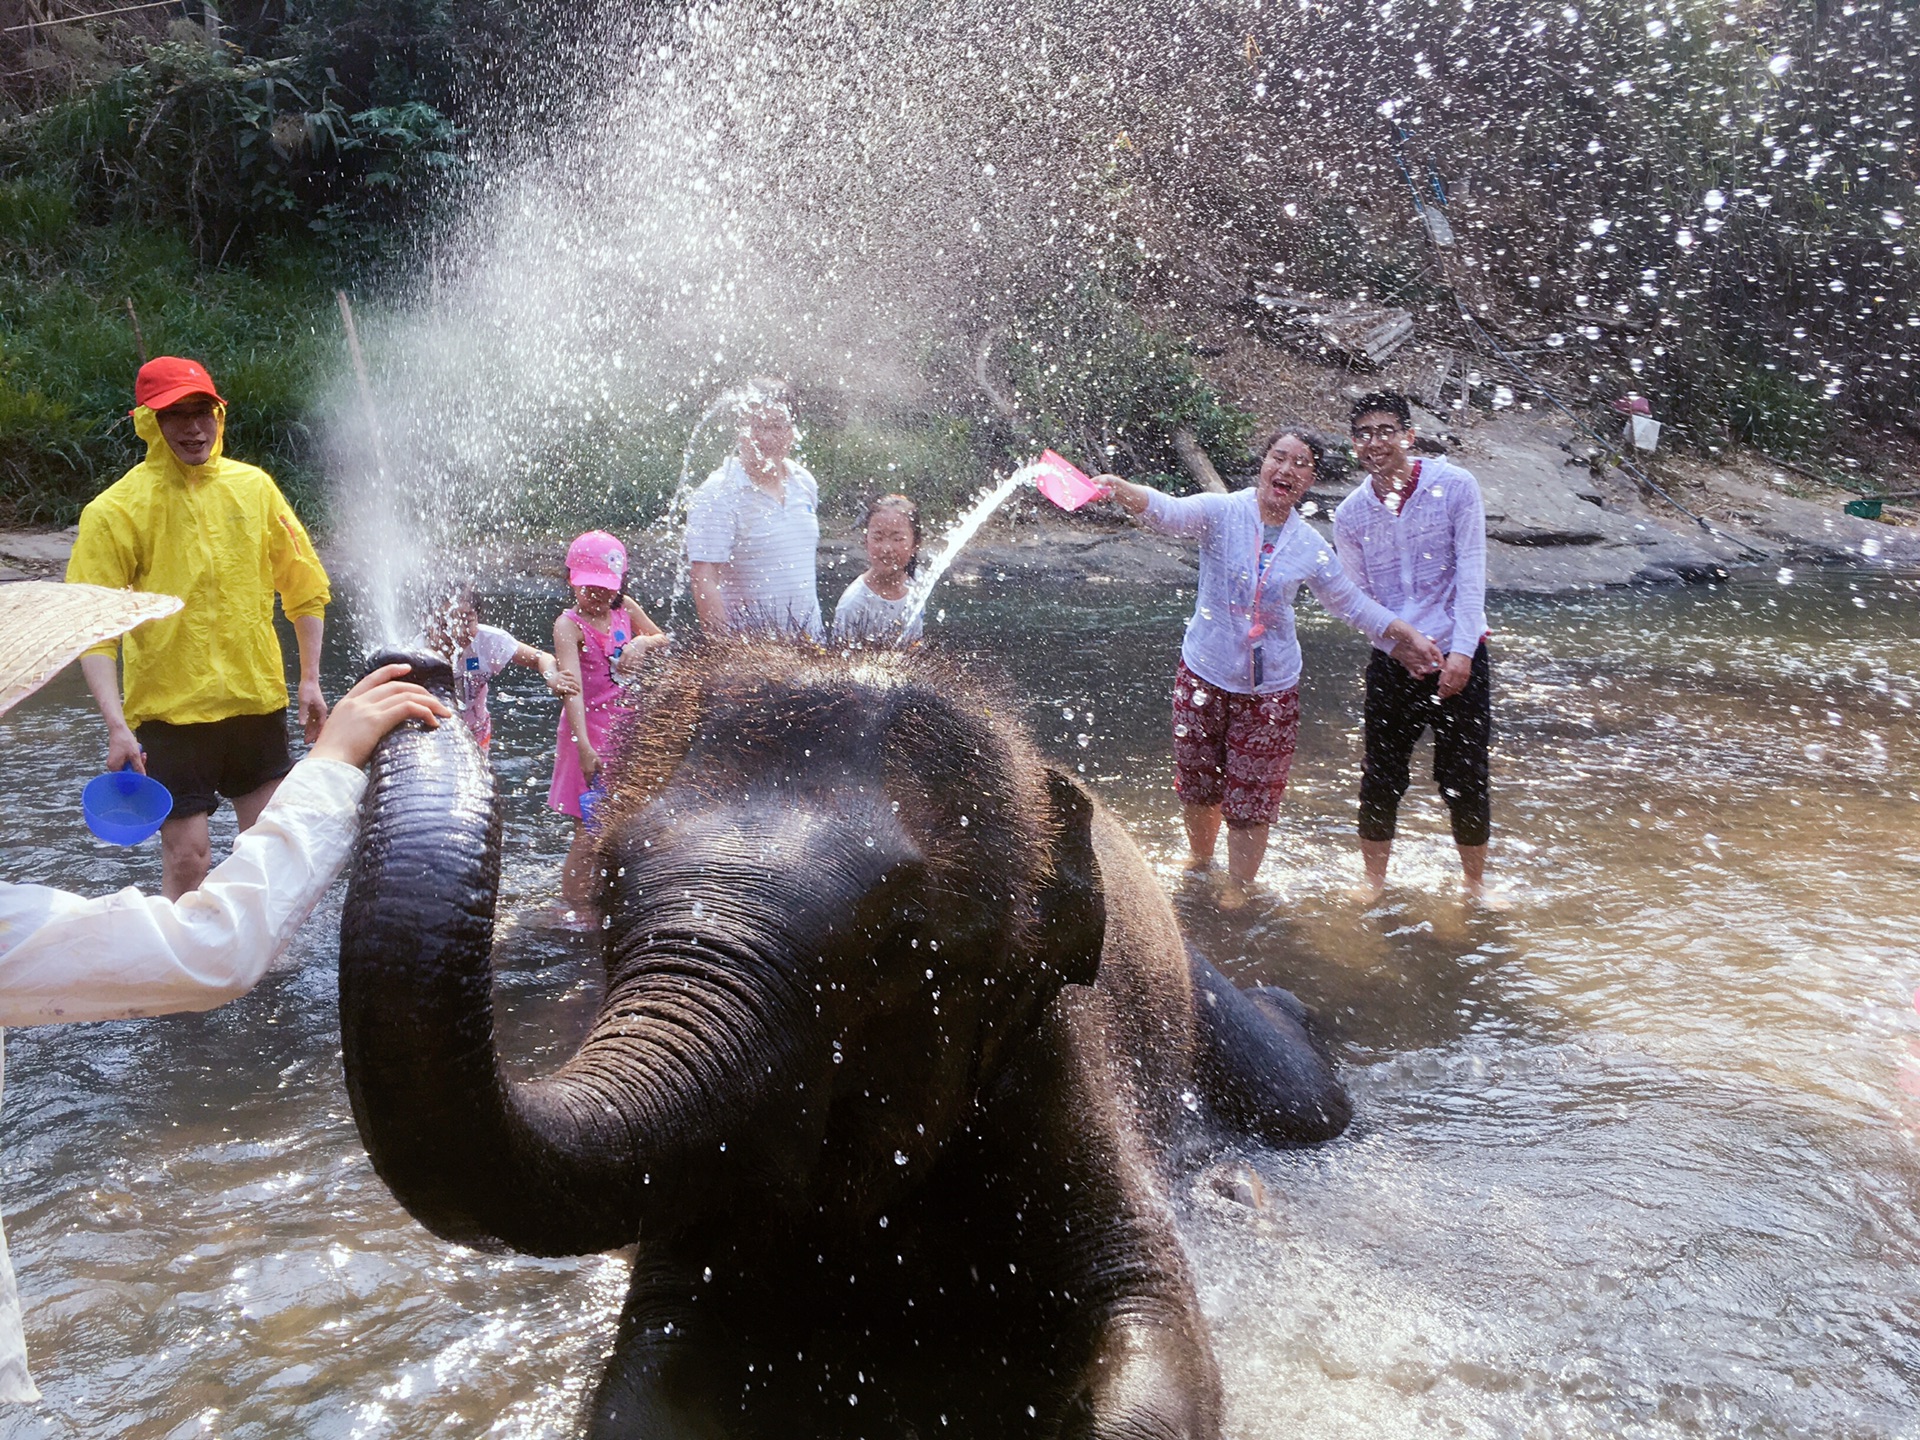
x=45, y=624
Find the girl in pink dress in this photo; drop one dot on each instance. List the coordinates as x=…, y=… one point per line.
x=597, y=643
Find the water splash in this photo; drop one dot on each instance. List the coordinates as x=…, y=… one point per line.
x=964, y=529
x=607, y=276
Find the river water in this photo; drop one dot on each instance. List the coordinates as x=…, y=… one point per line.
x=1639, y=1156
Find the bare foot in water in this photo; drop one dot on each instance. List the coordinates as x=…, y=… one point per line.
x=1366, y=893
x=1234, y=894
x=1197, y=864
x=1486, y=897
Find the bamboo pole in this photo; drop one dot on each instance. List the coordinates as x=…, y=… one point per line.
x=360, y=373
x=139, y=339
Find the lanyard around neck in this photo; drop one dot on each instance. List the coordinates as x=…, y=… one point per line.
x=1258, y=627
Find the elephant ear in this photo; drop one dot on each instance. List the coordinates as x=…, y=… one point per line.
x=1071, y=909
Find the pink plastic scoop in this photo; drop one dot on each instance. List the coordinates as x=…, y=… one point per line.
x=1065, y=484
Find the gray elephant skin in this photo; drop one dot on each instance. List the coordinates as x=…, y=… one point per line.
x=900, y=1058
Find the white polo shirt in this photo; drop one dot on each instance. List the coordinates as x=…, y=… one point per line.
x=768, y=547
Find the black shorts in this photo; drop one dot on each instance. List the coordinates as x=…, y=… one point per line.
x=200, y=763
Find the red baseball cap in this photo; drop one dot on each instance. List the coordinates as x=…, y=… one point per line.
x=167, y=380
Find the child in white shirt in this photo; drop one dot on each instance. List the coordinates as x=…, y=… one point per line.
x=873, y=611
x=478, y=653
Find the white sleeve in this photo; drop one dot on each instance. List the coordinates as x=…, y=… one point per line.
x=849, y=612
x=1467, y=516
x=710, y=522
x=1177, y=514
x=496, y=649
x=129, y=954
x=1340, y=596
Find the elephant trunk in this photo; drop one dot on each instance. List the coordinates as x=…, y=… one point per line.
x=551, y=1167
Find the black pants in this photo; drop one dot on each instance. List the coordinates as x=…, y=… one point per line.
x=1399, y=707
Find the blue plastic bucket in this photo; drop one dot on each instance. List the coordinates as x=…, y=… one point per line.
x=124, y=807
x=590, y=799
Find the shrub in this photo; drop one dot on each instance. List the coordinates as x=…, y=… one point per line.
x=1093, y=380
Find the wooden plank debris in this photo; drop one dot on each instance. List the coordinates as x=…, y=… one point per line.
x=1195, y=462
x=1359, y=333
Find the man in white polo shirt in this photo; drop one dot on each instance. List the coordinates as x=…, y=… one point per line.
x=753, y=530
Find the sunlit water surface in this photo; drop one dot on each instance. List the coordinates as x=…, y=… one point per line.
x=1636, y=1157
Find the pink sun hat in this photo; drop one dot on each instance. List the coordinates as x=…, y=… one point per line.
x=598, y=559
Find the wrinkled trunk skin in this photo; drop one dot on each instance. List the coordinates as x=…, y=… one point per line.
x=553, y=1167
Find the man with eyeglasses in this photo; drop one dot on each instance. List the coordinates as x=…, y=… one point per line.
x=1415, y=539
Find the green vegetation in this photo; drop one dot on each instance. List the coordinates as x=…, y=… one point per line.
x=1094, y=381
x=1704, y=206
x=68, y=350
x=202, y=200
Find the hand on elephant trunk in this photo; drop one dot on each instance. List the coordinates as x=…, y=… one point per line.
x=367, y=712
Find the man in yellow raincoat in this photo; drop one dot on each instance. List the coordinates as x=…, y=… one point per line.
x=206, y=690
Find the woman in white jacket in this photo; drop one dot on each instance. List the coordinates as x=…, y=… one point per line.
x=65, y=958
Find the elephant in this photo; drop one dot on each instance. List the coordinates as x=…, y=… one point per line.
x=900, y=1060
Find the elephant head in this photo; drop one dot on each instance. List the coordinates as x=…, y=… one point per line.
x=836, y=891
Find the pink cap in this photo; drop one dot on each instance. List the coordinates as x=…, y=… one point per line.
x=596, y=558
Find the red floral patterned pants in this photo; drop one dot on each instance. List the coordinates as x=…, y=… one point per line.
x=1232, y=750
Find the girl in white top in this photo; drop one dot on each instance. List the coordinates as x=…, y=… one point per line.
x=872, y=611
x=479, y=652
x=64, y=958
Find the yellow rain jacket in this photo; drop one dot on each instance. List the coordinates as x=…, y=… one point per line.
x=222, y=537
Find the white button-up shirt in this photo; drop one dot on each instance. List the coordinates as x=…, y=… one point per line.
x=1428, y=564
x=64, y=958
x=769, y=547
x=1219, y=643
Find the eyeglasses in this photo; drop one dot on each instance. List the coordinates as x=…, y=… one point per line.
x=1375, y=432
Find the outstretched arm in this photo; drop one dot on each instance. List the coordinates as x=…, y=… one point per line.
x=130, y=954
x=558, y=681
x=1335, y=589
x=647, y=637
x=1168, y=514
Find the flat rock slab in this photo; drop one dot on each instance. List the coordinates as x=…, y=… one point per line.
x=37, y=552
x=1533, y=496
x=1816, y=530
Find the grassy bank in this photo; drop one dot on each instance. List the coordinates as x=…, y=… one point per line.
x=69, y=347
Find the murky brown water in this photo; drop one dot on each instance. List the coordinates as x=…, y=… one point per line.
x=1639, y=1157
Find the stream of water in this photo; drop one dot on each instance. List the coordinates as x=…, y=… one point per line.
x=1638, y=1157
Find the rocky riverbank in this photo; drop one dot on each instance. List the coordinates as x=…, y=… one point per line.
x=1554, y=526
